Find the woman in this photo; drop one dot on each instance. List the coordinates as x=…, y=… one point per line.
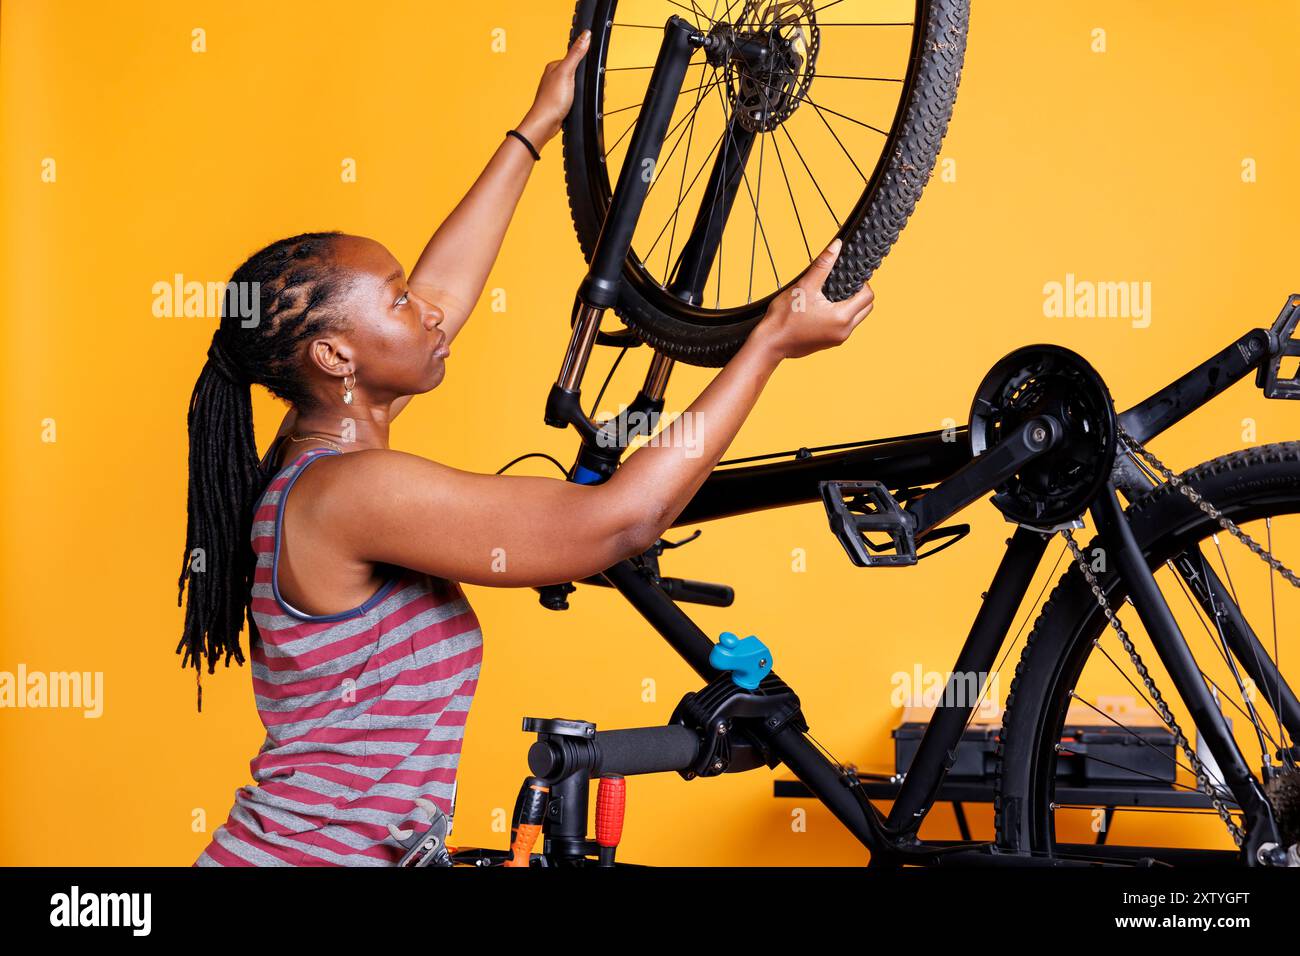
x=365, y=651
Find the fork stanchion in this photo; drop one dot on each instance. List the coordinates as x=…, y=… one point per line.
x=601, y=286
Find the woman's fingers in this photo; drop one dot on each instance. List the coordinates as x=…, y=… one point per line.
x=577, y=50
x=822, y=265
x=859, y=300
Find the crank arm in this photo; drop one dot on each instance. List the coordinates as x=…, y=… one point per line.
x=983, y=474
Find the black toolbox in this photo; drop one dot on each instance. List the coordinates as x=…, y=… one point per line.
x=1094, y=751
x=975, y=751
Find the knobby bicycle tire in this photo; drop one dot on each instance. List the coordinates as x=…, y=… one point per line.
x=696, y=336
x=1244, y=485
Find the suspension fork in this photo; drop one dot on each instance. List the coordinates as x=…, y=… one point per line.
x=1172, y=649
x=602, y=446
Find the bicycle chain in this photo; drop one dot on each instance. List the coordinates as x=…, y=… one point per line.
x=1202, y=778
x=1195, y=497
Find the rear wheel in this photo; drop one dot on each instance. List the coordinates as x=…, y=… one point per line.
x=1074, y=667
x=835, y=136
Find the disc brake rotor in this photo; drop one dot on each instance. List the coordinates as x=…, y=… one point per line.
x=764, y=96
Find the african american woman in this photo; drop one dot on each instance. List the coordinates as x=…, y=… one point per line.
x=365, y=651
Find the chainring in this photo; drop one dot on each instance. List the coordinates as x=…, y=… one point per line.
x=1056, y=488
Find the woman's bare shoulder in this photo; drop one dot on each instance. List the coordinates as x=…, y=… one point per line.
x=376, y=472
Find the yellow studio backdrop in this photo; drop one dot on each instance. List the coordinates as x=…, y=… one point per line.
x=130, y=157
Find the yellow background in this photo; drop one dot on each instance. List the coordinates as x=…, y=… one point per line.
x=1124, y=165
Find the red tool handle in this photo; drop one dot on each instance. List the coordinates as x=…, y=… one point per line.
x=611, y=800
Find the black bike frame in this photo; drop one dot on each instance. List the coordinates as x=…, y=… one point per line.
x=911, y=467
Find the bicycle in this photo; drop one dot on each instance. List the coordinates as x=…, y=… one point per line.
x=1044, y=439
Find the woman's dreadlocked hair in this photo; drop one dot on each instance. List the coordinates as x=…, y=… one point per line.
x=291, y=285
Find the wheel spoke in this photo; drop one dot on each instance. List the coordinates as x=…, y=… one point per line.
x=1173, y=757
x=1215, y=642
x=819, y=111
x=698, y=173
x=825, y=6
x=648, y=66
x=690, y=135
x=703, y=90
x=838, y=223
x=707, y=241
x=1216, y=601
x=666, y=135
x=693, y=10
x=681, y=185
x=754, y=202
x=1277, y=654
x=1254, y=645
x=877, y=79
x=637, y=106
x=753, y=239
x=776, y=145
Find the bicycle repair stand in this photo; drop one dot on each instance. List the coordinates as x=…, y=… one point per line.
x=702, y=739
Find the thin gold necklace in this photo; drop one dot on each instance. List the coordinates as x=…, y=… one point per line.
x=315, y=438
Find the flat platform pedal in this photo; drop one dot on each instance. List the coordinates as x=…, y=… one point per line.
x=874, y=530
x=1270, y=376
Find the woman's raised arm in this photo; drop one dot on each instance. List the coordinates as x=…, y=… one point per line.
x=514, y=531
x=454, y=266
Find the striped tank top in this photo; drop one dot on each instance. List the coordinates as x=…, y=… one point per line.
x=364, y=711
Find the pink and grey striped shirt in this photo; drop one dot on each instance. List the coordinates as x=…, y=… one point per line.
x=364, y=711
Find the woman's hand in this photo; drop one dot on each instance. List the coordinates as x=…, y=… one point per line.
x=801, y=320
x=554, y=94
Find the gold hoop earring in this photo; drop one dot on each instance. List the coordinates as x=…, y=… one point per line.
x=347, y=389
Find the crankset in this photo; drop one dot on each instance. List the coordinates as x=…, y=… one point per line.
x=1046, y=380
x=1043, y=434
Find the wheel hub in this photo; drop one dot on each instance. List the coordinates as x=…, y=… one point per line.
x=769, y=56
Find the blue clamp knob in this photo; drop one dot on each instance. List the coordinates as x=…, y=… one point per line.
x=749, y=660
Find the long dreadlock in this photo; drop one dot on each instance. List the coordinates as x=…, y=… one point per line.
x=293, y=283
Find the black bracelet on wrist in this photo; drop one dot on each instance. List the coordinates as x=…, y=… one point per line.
x=524, y=139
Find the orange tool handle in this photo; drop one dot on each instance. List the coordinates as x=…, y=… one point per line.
x=525, y=838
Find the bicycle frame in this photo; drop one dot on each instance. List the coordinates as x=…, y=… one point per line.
x=939, y=470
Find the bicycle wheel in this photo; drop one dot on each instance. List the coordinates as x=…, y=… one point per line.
x=1075, y=665
x=836, y=136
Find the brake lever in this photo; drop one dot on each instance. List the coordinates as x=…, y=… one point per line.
x=661, y=545
x=679, y=589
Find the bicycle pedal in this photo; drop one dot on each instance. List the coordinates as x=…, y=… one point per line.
x=1269, y=376
x=874, y=530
